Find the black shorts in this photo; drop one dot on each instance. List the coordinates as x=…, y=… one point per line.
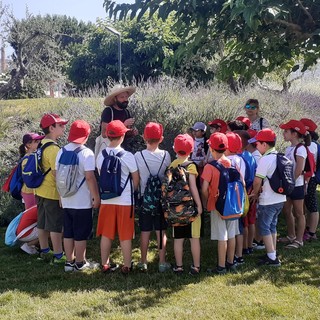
x=148, y=222
x=310, y=199
x=77, y=224
x=297, y=193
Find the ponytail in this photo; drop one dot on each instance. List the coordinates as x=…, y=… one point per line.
x=22, y=150
x=307, y=139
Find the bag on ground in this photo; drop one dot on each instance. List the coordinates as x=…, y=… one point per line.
x=231, y=198
x=176, y=198
x=10, y=236
x=68, y=171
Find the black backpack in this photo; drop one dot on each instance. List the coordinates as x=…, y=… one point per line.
x=282, y=180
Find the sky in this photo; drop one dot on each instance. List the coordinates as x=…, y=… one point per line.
x=86, y=10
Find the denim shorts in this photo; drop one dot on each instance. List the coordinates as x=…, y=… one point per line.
x=268, y=218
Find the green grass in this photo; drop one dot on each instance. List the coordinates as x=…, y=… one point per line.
x=32, y=289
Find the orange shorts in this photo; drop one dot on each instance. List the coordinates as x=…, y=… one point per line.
x=115, y=219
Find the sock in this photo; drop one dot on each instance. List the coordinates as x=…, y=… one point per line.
x=45, y=250
x=272, y=255
x=312, y=233
x=80, y=264
x=58, y=255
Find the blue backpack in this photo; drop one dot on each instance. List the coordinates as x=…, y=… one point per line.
x=32, y=173
x=110, y=175
x=251, y=167
x=317, y=172
x=231, y=199
x=16, y=181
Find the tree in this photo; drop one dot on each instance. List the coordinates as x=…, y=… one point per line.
x=257, y=36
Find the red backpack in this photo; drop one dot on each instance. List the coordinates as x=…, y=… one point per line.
x=310, y=164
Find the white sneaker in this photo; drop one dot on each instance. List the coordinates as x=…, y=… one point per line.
x=29, y=249
x=89, y=265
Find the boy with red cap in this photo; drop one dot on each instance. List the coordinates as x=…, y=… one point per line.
x=78, y=207
x=115, y=214
x=222, y=230
x=183, y=147
x=270, y=202
x=152, y=161
x=50, y=214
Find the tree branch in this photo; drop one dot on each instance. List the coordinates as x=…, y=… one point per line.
x=308, y=14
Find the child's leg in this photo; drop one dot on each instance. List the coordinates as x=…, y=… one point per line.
x=56, y=239
x=251, y=233
x=313, y=221
x=68, y=244
x=231, y=246
x=126, y=247
x=43, y=238
x=80, y=248
x=239, y=245
x=144, y=244
x=222, y=251
x=178, y=251
x=300, y=218
x=105, y=248
x=162, y=252
x=245, y=238
x=287, y=211
x=195, y=251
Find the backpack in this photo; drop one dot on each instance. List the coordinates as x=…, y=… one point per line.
x=251, y=167
x=110, y=175
x=176, y=198
x=310, y=164
x=231, y=198
x=67, y=172
x=33, y=174
x=152, y=193
x=317, y=173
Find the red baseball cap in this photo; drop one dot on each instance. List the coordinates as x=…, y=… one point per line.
x=115, y=129
x=264, y=135
x=79, y=131
x=222, y=124
x=309, y=124
x=30, y=136
x=252, y=133
x=234, y=142
x=183, y=142
x=49, y=119
x=245, y=120
x=295, y=125
x=218, y=141
x=153, y=130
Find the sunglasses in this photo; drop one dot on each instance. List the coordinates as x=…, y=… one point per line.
x=248, y=107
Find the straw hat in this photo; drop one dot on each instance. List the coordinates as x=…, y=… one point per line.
x=116, y=90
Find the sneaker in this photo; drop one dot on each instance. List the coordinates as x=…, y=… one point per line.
x=308, y=237
x=245, y=251
x=163, y=267
x=142, y=267
x=110, y=267
x=194, y=271
x=269, y=262
x=69, y=266
x=29, y=249
x=87, y=265
x=125, y=270
x=231, y=267
x=177, y=269
x=56, y=262
x=47, y=257
x=238, y=260
x=217, y=270
x=258, y=245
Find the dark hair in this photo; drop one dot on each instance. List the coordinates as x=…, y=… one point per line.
x=152, y=141
x=219, y=151
x=22, y=150
x=114, y=138
x=237, y=125
x=253, y=101
x=314, y=135
x=271, y=144
x=46, y=130
x=244, y=135
x=306, y=138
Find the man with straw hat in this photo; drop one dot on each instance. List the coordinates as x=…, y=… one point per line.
x=116, y=109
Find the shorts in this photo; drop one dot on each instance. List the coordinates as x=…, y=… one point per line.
x=190, y=231
x=50, y=215
x=31, y=236
x=148, y=222
x=297, y=193
x=310, y=198
x=268, y=218
x=114, y=219
x=77, y=224
x=251, y=216
x=223, y=230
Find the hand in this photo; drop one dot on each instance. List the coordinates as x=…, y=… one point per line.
x=129, y=122
x=134, y=132
x=199, y=209
x=253, y=197
x=96, y=202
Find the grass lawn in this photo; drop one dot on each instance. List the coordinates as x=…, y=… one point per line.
x=32, y=289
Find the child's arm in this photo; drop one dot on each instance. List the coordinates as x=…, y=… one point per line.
x=135, y=179
x=93, y=187
x=300, y=163
x=257, y=183
x=194, y=192
x=205, y=193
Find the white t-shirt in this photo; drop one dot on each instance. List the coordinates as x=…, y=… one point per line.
x=257, y=155
x=302, y=152
x=256, y=124
x=198, y=155
x=82, y=199
x=238, y=163
x=128, y=165
x=266, y=167
x=154, y=160
x=313, y=148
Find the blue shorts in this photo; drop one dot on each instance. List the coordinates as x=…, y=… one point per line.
x=77, y=224
x=148, y=222
x=268, y=218
x=297, y=193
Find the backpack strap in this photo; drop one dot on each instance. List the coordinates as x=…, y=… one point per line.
x=148, y=166
x=43, y=147
x=77, y=150
x=261, y=123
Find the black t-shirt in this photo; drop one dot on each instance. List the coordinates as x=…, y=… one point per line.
x=121, y=115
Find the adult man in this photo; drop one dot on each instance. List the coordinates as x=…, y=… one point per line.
x=116, y=109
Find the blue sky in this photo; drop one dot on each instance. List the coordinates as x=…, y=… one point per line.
x=86, y=10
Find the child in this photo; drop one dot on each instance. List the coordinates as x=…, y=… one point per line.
x=183, y=146
x=115, y=214
x=270, y=202
x=216, y=125
x=295, y=132
x=77, y=208
x=152, y=161
x=311, y=200
x=50, y=214
x=234, y=148
x=222, y=230
x=30, y=143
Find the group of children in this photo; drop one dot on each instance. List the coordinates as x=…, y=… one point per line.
x=68, y=220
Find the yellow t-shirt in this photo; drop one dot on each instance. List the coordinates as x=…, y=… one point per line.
x=48, y=187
